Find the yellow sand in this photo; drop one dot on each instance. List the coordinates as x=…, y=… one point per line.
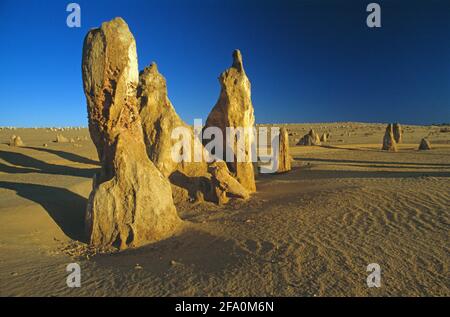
x=310, y=232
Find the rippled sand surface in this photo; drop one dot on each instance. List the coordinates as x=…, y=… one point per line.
x=310, y=232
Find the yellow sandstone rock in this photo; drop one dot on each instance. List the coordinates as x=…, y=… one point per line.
x=131, y=201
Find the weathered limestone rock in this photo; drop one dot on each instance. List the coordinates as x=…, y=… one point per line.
x=324, y=137
x=131, y=202
x=159, y=119
x=61, y=139
x=191, y=180
x=224, y=186
x=306, y=140
x=398, y=133
x=312, y=138
x=16, y=141
x=315, y=137
x=424, y=144
x=388, y=140
x=234, y=109
x=284, y=158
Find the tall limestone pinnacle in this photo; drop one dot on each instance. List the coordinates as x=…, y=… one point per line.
x=159, y=119
x=284, y=158
x=131, y=202
x=234, y=109
x=110, y=78
x=191, y=179
x=389, y=143
x=398, y=132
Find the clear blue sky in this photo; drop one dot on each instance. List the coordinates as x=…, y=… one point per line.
x=308, y=61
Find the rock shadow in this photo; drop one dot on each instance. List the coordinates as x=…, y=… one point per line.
x=66, y=155
x=195, y=185
x=191, y=250
x=66, y=208
x=370, y=162
x=29, y=164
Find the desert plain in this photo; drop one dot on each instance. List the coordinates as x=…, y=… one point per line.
x=309, y=232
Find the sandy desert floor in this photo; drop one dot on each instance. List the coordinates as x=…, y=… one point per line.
x=310, y=232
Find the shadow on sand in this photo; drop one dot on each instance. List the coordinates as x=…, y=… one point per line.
x=66, y=208
x=29, y=164
x=301, y=173
x=193, y=184
x=66, y=155
x=191, y=249
x=343, y=161
x=341, y=174
x=327, y=146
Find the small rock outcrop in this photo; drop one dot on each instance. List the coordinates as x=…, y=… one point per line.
x=324, y=137
x=389, y=143
x=398, y=133
x=61, y=139
x=284, y=158
x=131, y=201
x=306, y=140
x=16, y=141
x=234, y=109
x=424, y=145
x=224, y=186
x=312, y=138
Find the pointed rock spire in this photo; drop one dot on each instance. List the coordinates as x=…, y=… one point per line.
x=284, y=158
x=131, y=202
x=234, y=109
x=424, y=145
x=237, y=60
x=398, y=133
x=389, y=143
x=191, y=180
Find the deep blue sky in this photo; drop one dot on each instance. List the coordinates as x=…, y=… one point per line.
x=308, y=61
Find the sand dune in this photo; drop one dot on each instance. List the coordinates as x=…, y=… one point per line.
x=310, y=232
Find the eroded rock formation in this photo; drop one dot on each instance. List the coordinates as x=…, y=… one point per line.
x=398, y=133
x=389, y=143
x=224, y=186
x=424, y=145
x=131, y=201
x=61, y=139
x=191, y=178
x=284, y=158
x=16, y=141
x=159, y=119
x=312, y=138
x=234, y=109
